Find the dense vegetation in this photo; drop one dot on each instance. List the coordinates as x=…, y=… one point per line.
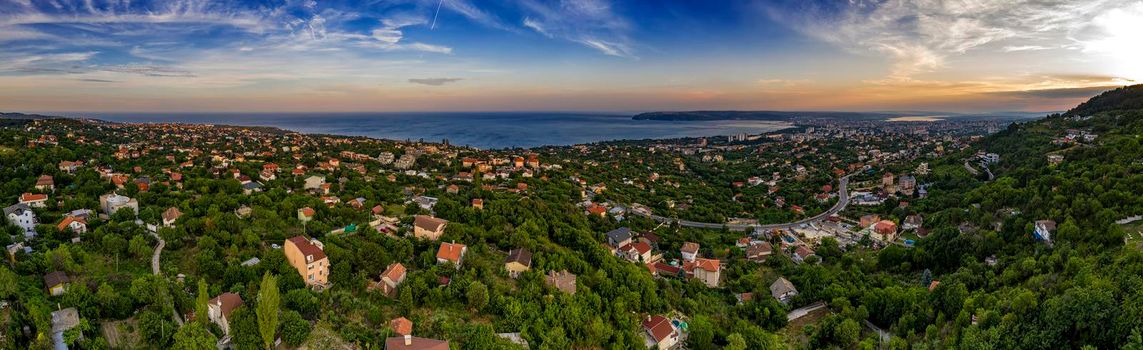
x=999, y=288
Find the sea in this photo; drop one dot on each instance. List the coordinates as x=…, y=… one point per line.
x=484, y=130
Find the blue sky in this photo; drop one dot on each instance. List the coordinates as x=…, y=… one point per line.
x=596, y=55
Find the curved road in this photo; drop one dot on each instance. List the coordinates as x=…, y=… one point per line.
x=842, y=201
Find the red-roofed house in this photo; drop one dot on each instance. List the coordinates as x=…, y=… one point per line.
x=451, y=252
x=34, y=200
x=308, y=257
x=77, y=225
x=659, y=332
x=402, y=326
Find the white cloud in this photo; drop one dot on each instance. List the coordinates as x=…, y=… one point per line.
x=920, y=35
x=592, y=23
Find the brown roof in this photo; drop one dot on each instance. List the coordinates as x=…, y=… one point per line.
x=394, y=272
x=520, y=255
x=55, y=278
x=227, y=302
x=307, y=248
x=690, y=247
x=401, y=326
x=44, y=180
x=759, y=249
x=450, y=251
x=429, y=223
x=172, y=214
x=415, y=343
x=563, y=280
x=28, y=197
x=659, y=327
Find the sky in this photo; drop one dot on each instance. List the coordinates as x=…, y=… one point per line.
x=967, y=56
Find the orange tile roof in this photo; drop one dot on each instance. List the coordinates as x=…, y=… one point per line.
x=450, y=251
x=402, y=326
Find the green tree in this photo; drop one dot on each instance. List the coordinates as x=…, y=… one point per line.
x=735, y=341
x=268, y=307
x=194, y=336
x=477, y=295
x=295, y=329
x=200, y=303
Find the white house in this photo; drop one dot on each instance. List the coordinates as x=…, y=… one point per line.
x=22, y=216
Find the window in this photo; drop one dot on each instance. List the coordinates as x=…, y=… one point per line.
x=311, y=277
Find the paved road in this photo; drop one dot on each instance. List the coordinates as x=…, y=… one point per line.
x=155, y=270
x=842, y=201
x=805, y=310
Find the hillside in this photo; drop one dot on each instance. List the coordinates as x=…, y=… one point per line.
x=1124, y=98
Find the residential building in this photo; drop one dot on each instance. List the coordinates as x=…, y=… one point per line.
x=1044, y=230
x=75, y=224
x=314, y=183
x=308, y=257
x=619, y=237
x=220, y=308
x=23, y=217
x=801, y=253
x=659, y=333
x=759, y=251
x=392, y=277
x=689, y=251
x=111, y=203
x=170, y=216
x=1055, y=159
x=562, y=280
x=912, y=222
x=56, y=283
x=306, y=214
x=34, y=200
x=428, y=227
x=451, y=253
x=783, y=290
x=636, y=252
x=886, y=230
x=708, y=271
x=46, y=183
x=869, y=220
x=519, y=260
x=409, y=342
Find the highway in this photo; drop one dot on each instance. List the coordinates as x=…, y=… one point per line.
x=842, y=201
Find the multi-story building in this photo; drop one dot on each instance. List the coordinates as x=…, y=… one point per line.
x=308, y=257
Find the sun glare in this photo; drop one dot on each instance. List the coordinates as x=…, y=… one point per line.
x=1122, y=42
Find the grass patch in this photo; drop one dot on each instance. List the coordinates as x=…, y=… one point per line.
x=795, y=331
x=1133, y=234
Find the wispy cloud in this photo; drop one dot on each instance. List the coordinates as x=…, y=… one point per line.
x=434, y=81
x=591, y=23
x=919, y=35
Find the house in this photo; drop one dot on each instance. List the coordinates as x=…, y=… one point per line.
x=69, y=166
x=451, y=252
x=659, y=333
x=477, y=203
x=706, y=270
x=519, y=260
x=1044, y=230
x=1055, y=159
x=562, y=280
x=689, y=251
x=886, y=229
x=46, y=183
x=111, y=203
x=906, y=184
x=636, y=252
x=401, y=326
x=56, y=283
x=802, y=253
x=220, y=308
x=314, y=183
x=409, y=342
x=912, y=222
x=75, y=224
x=887, y=180
x=426, y=202
x=452, y=189
x=390, y=279
x=619, y=237
x=306, y=214
x=759, y=251
x=783, y=290
x=308, y=257
x=170, y=216
x=34, y=200
x=428, y=227
x=22, y=216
